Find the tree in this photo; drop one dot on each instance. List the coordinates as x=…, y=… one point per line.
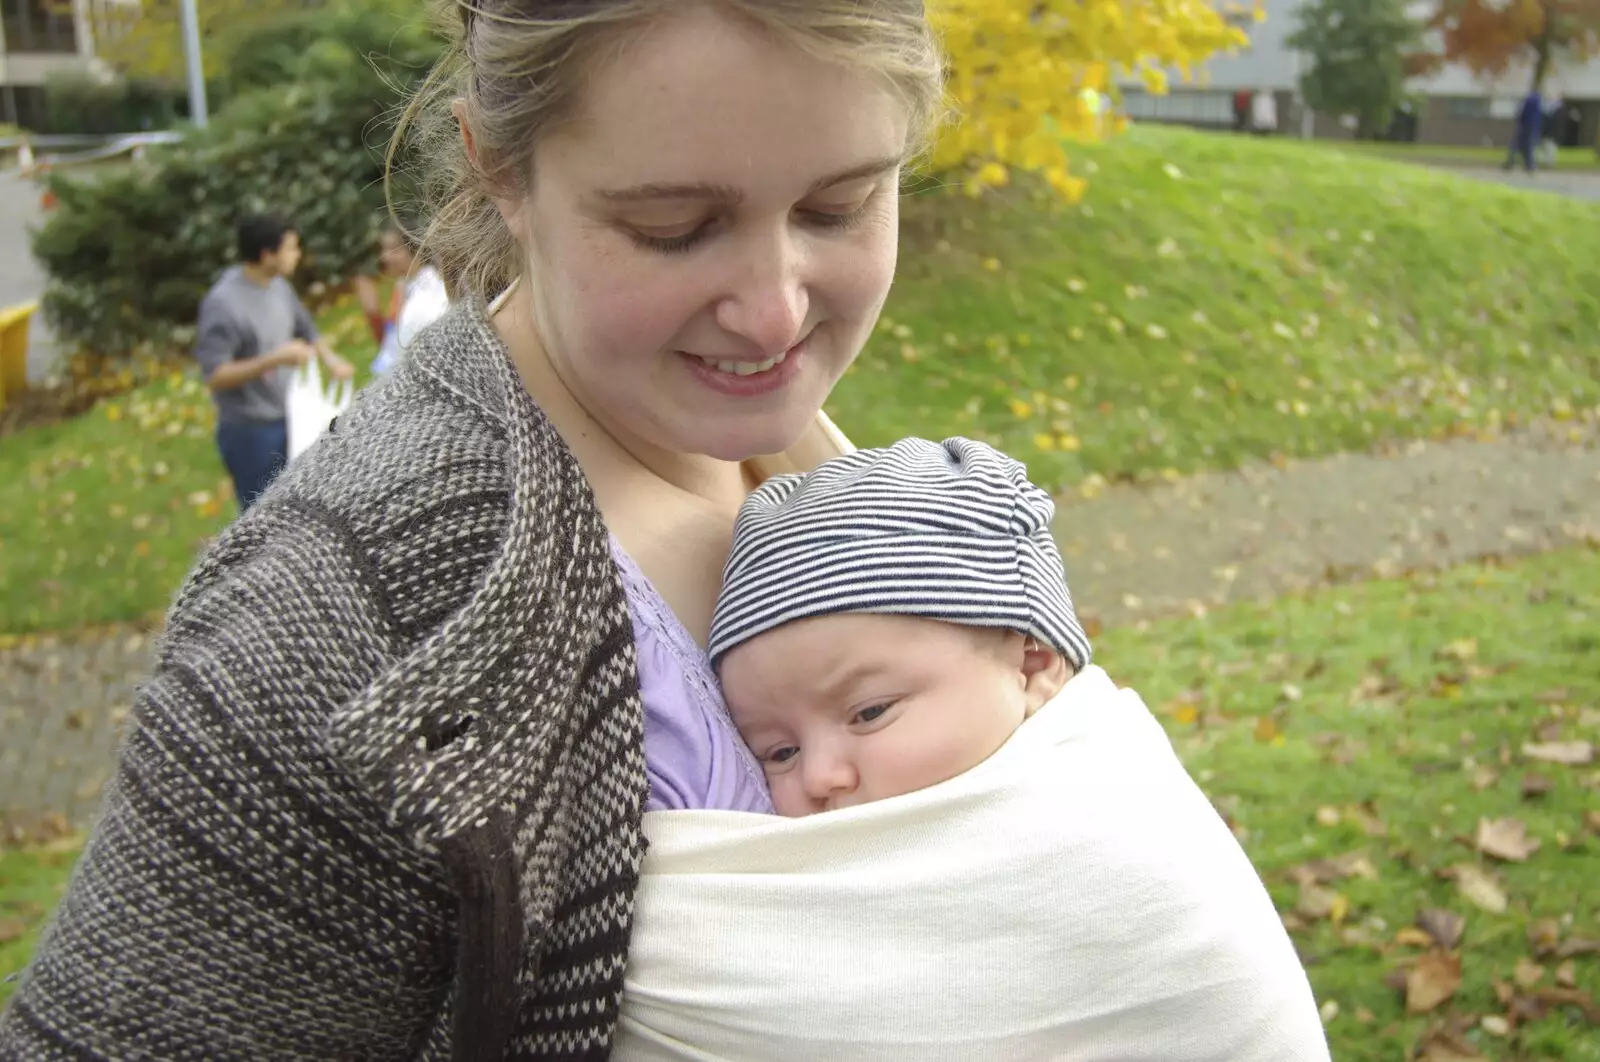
x=1357, y=50
x=1490, y=37
x=1027, y=74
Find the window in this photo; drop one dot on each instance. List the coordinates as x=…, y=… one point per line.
x=1185, y=107
x=1467, y=108
x=40, y=26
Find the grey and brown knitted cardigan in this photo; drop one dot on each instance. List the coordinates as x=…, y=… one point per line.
x=383, y=797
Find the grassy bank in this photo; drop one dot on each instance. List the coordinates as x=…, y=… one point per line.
x=1220, y=298
x=1359, y=739
x=1567, y=159
x=1356, y=739
x=1214, y=299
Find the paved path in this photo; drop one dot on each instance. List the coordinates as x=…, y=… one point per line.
x=1578, y=184
x=1131, y=553
x=21, y=279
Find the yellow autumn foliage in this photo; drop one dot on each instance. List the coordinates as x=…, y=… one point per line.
x=1025, y=75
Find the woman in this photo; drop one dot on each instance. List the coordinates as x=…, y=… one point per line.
x=418, y=299
x=384, y=796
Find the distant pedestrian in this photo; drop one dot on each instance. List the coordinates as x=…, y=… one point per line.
x=1264, y=113
x=1525, y=134
x=253, y=332
x=1241, y=111
x=416, y=301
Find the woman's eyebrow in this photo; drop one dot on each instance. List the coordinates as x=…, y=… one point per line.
x=729, y=196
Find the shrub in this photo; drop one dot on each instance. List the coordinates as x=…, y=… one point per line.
x=129, y=253
x=77, y=103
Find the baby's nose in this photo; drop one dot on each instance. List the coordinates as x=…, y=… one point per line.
x=828, y=776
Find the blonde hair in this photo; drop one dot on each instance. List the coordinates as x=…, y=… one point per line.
x=519, y=66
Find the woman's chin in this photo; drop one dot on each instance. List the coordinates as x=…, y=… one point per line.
x=743, y=438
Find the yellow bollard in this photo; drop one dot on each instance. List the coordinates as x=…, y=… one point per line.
x=14, y=322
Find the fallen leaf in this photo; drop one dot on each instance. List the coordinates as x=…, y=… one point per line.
x=1266, y=729
x=1569, y=753
x=1554, y=695
x=1364, y=816
x=1365, y=1016
x=1412, y=937
x=1483, y=776
x=1535, y=785
x=1578, y=946
x=1546, y=998
x=1505, y=839
x=1544, y=934
x=1567, y=974
x=1329, y=1010
x=1447, y=1045
x=1496, y=1025
x=1461, y=649
x=1325, y=871
x=1478, y=886
x=1316, y=902
x=1528, y=973
x=1432, y=981
x=1327, y=816
x=1444, y=927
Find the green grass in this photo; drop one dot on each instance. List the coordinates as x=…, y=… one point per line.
x=1214, y=299
x=1410, y=701
x=1220, y=298
x=102, y=515
x=31, y=882
x=1379, y=699
x=1567, y=159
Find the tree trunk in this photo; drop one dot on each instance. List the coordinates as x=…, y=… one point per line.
x=1543, y=49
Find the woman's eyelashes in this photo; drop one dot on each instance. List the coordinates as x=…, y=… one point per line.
x=677, y=243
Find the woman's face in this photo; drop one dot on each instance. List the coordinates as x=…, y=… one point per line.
x=711, y=241
x=394, y=257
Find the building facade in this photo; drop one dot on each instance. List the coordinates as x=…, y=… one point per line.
x=40, y=39
x=1452, y=106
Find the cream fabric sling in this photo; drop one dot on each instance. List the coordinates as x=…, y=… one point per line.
x=1075, y=897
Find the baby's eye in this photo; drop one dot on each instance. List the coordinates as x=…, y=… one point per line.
x=867, y=715
x=784, y=754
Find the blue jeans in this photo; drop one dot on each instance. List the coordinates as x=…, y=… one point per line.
x=254, y=454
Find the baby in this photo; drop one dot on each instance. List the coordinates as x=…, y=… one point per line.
x=890, y=619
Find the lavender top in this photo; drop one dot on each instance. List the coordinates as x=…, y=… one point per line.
x=692, y=753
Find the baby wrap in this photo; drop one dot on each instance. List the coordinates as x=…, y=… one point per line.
x=1075, y=897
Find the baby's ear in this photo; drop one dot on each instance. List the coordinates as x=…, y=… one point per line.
x=1044, y=673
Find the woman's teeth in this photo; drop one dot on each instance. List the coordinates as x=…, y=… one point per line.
x=744, y=368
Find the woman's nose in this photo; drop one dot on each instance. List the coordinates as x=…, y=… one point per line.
x=768, y=305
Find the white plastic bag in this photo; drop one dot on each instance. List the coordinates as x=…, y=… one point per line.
x=312, y=406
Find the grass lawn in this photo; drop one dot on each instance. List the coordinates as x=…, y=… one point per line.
x=1217, y=298
x=1214, y=299
x=1575, y=158
x=1356, y=737
x=101, y=516
x=31, y=882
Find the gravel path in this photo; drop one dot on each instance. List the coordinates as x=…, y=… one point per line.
x=1132, y=554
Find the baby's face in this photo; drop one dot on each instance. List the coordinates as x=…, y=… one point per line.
x=844, y=710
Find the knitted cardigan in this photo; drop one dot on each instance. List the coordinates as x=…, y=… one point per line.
x=383, y=796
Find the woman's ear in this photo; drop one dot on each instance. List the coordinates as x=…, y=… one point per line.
x=510, y=211
x=1044, y=673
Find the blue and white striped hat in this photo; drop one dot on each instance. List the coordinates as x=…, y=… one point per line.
x=950, y=531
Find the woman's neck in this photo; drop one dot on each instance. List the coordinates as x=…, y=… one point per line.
x=608, y=453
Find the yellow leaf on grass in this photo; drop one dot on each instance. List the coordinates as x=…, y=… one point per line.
x=1432, y=981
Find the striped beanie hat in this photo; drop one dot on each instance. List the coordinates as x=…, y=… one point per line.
x=948, y=531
